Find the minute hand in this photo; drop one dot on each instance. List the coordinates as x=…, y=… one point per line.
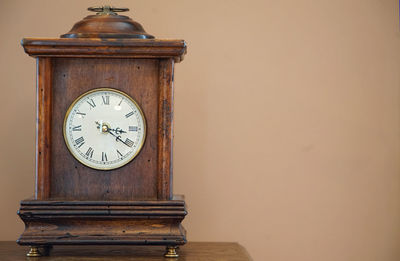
x=117, y=137
x=118, y=130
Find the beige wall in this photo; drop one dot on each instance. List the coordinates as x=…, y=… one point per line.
x=287, y=135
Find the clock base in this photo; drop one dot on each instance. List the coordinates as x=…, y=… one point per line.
x=53, y=222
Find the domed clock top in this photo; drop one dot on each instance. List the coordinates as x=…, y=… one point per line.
x=106, y=23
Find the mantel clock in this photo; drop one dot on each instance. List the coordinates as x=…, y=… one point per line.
x=104, y=138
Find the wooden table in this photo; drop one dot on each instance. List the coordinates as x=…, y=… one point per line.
x=192, y=251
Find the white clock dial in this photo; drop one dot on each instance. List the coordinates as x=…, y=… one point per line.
x=104, y=129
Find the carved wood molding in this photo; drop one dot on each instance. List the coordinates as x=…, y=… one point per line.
x=117, y=48
x=103, y=222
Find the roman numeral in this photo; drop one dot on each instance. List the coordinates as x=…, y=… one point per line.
x=133, y=128
x=106, y=100
x=77, y=128
x=129, y=142
x=81, y=113
x=119, y=154
x=89, y=152
x=103, y=156
x=129, y=114
x=91, y=103
x=80, y=141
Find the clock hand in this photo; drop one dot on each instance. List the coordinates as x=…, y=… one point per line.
x=118, y=138
x=105, y=128
x=117, y=130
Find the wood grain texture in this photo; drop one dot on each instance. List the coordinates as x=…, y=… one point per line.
x=115, y=48
x=65, y=76
x=134, y=181
x=165, y=128
x=133, y=204
x=107, y=26
x=192, y=251
x=103, y=222
x=43, y=127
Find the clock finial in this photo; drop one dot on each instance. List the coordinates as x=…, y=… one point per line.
x=107, y=10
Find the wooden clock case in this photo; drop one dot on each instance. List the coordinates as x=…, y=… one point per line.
x=77, y=205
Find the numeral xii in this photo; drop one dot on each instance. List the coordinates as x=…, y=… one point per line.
x=106, y=100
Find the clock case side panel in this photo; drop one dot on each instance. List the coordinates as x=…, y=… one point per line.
x=165, y=129
x=43, y=127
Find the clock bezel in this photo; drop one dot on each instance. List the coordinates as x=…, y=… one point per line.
x=105, y=168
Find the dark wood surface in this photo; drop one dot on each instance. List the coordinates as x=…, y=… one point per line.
x=193, y=251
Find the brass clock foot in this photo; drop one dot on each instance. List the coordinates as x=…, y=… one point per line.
x=171, y=251
x=34, y=252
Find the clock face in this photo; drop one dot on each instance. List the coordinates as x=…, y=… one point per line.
x=104, y=129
